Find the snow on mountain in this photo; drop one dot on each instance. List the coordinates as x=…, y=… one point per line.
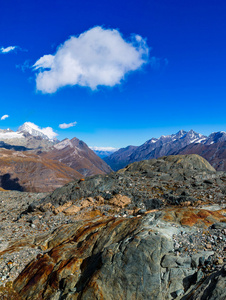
x=63, y=144
x=7, y=135
x=216, y=137
x=165, y=145
x=33, y=129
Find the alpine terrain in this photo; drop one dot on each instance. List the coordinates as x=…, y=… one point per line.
x=212, y=148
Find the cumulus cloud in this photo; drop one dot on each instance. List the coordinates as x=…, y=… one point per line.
x=4, y=117
x=65, y=126
x=96, y=57
x=7, y=49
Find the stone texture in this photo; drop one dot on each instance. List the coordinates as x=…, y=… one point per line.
x=129, y=235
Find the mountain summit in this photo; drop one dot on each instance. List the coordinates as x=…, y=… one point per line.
x=34, y=130
x=170, y=145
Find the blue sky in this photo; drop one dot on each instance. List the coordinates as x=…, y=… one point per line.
x=180, y=84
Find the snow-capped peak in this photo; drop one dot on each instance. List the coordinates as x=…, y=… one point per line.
x=33, y=129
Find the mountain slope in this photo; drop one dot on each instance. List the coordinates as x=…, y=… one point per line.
x=25, y=171
x=74, y=153
x=153, y=148
x=77, y=155
x=214, y=153
x=120, y=158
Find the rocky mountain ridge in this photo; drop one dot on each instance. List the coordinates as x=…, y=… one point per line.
x=74, y=156
x=77, y=155
x=168, y=145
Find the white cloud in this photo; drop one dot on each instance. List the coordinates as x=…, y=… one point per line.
x=96, y=57
x=4, y=117
x=7, y=49
x=65, y=126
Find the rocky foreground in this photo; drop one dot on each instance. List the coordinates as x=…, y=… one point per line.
x=154, y=230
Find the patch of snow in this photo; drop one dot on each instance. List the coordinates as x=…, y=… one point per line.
x=153, y=141
x=65, y=143
x=200, y=140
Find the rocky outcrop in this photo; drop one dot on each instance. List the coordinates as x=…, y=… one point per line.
x=114, y=258
x=150, y=184
x=77, y=155
x=25, y=171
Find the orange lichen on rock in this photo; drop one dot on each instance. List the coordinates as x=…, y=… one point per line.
x=69, y=254
x=190, y=216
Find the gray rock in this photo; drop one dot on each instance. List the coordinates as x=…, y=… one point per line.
x=213, y=287
x=219, y=225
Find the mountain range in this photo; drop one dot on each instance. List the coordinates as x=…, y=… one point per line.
x=212, y=148
x=32, y=160
x=36, y=161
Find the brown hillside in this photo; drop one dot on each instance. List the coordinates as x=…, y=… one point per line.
x=76, y=154
x=28, y=172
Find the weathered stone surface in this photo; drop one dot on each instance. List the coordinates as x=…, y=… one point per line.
x=120, y=201
x=213, y=287
x=73, y=209
x=113, y=258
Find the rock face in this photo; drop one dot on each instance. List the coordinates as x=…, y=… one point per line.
x=214, y=287
x=114, y=258
x=25, y=171
x=77, y=155
x=180, y=143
